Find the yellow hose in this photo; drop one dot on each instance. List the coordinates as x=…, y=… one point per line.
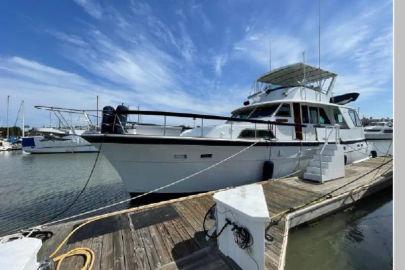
x=87, y=253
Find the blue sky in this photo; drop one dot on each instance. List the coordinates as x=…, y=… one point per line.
x=188, y=56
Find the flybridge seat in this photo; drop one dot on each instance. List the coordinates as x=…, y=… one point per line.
x=296, y=75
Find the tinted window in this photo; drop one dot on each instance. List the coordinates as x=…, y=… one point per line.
x=388, y=131
x=304, y=109
x=284, y=111
x=323, y=118
x=264, y=111
x=313, y=115
x=243, y=114
x=260, y=133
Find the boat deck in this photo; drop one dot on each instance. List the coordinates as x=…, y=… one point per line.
x=169, y=235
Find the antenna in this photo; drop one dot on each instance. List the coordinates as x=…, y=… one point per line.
x=319, y=48
x=8, y=104
x=304, y=75
x=303, y=61
x=270, y=53
x=97, y=111
x=319, y=35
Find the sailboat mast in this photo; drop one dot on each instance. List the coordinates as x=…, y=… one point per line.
x=8, y=104
x=23, y=119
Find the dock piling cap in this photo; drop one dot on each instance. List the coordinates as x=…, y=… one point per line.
x=248, y=200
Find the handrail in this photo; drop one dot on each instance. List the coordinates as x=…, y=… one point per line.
x=206, y=116
x=333, y=128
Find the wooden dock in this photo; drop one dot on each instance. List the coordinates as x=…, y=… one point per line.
x=169, y=235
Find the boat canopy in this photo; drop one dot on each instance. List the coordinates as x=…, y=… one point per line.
x=296, y=74
x=344, y=99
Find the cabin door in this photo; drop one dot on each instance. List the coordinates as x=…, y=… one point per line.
x=297, y=120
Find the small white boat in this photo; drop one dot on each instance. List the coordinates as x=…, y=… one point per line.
x=63, y=140
x=290, y=116
x=56, y=144
x=5, y=145
x=379, y=136
x=379, y=131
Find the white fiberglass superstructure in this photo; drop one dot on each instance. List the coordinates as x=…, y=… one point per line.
x=288, y=117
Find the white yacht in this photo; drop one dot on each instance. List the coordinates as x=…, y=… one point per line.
x=56, y=141
x=379, y=131
x=379, y=136
x=288, y=118
x=62, y=140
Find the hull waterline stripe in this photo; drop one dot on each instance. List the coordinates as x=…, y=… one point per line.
x=197, y=141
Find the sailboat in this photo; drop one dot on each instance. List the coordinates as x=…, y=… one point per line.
x=11, y=143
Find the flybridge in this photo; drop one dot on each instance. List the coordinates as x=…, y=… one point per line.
x=294, y=75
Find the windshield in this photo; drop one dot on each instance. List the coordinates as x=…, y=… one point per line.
x=257, y=112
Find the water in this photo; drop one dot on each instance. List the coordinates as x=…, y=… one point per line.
x=33, y=188
x=358, y=238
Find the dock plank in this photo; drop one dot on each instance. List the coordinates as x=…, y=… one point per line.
x=170, y=235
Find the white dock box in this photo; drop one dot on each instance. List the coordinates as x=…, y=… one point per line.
x=247, y=207
x=20, y=254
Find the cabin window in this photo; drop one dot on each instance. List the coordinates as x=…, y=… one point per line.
x=260, y=133
x=355, y=118
x=304, y=109
x=323, y=118
x=284, y=111
x=243, y=114
x=313, y=115
x=387, y=131
x=339, y=118
x=264, y=111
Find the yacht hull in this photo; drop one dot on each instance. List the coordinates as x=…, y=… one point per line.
x=71, y=144
x=145, y=163
x=383, y=147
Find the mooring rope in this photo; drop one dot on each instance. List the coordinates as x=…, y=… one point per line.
x=154, y=190
x=326, y=196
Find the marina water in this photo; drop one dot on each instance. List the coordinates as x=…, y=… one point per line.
x=34, y=188
x=360, y=237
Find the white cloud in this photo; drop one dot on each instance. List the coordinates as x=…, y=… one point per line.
x=91, y=7
x=136, y=57
x=285, y=49
x=39, y=84
x=219, y=62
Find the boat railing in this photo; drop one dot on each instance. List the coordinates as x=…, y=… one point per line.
x=329, y=130
x=270, y=125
